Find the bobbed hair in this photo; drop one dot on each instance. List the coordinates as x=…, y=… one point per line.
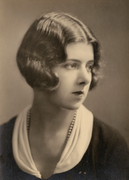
x=44, y=47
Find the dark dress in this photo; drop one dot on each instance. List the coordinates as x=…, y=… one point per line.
x=107, y=157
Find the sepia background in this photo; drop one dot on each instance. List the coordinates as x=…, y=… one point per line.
x=109, y=20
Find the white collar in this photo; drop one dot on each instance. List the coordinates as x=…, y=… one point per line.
x=74, y=150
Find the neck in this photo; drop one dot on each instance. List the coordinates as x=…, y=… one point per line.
x=46, y=117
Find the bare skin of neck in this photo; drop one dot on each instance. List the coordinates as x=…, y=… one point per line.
x=47, y=135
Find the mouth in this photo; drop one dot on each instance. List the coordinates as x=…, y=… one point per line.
x=78, y=93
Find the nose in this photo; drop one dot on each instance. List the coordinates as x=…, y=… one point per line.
x=84, y=77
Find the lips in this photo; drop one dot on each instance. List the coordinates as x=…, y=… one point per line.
x=78, y=93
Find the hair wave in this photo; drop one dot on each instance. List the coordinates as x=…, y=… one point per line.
x=43, y=47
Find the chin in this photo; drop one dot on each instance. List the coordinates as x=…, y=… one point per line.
x=73, y=107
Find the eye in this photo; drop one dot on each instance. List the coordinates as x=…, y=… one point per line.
x=89, y=67
x=71, y=66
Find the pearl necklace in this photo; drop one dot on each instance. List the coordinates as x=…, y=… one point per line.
x=69, y=130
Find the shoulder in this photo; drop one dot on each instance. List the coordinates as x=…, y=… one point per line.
x=106, y=134
x=108, y=151
x=108, y=139
x=6, y=131
x=11, y=121
x=8, y=126
x=8, y=166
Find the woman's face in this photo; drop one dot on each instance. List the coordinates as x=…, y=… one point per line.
x=74, y=75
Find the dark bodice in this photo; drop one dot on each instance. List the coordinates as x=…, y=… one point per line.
x=107, y=157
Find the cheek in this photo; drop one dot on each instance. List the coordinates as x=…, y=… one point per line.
x=64, y=87
x=67, y=83
x=67, y=77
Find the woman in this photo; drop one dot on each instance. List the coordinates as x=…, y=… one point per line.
x=57, y=137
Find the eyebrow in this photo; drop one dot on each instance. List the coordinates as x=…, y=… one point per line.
x=76, y=60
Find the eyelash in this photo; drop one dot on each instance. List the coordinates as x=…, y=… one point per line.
x=91, y=67
x=76, y=66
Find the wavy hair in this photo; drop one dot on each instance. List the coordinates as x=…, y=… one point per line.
x=43, y=47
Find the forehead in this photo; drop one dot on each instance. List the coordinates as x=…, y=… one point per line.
x=80, y=51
